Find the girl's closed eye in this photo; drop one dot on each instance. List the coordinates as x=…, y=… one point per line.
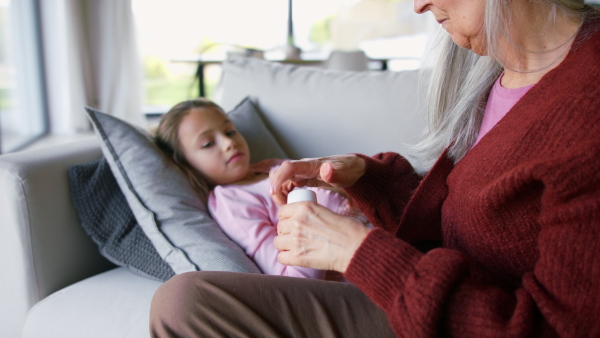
x=207, y=144
x=231, y=132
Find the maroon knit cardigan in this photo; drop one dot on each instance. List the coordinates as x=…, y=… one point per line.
x=518, y=219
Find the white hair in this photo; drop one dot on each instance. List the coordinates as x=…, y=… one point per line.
x=460, y=81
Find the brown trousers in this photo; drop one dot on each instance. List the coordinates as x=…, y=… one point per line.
x=227, y=304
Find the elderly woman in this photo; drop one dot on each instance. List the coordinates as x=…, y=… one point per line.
x=501, y=237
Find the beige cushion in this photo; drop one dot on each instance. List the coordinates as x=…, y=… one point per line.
x=314, y=113
x=115, y=303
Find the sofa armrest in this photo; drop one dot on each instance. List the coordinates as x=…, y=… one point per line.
x=43, y=248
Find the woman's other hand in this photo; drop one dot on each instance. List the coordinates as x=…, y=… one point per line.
x=313, y=236
x=332, y=171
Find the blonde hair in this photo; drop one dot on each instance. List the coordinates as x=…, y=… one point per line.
x=167, y=139
x=461, y=80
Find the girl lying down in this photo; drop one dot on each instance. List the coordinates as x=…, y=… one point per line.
x=200, y=138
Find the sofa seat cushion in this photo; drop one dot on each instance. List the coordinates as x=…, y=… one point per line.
x=115, y=303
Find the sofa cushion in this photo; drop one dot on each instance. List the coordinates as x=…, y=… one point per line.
x=163, y=202
x=108, y=220
x=314, y=112
x=261, y=142
x=115, y=303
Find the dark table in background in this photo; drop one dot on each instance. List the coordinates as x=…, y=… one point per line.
x=306, y=62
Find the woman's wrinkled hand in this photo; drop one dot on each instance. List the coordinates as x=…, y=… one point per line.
x=332, y=171
x=313, y=236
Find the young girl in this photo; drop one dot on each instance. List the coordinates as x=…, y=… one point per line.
x=201, y=139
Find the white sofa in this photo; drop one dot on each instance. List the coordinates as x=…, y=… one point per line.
x=54, y=281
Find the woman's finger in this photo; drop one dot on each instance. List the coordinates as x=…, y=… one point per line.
x=332, y=171
x=289, y=258
x=299, y=251
x=281, y=242
x=326, y=172
x=342, y=170
x=292, y=174
x=314, y=236
x=295, y=171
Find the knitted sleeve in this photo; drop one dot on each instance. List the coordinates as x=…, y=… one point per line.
x=426, y=294
x=385, y=189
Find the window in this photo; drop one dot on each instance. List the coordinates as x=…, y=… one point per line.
x=174, y=34
x=22, y=103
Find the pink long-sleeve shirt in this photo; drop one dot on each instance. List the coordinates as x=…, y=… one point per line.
x=500, y=101
x=248, y=215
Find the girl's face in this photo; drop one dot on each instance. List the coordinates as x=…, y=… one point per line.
x=213, y=146
x=462, y=19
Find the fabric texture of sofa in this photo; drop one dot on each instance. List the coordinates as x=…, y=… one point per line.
x=56, y=283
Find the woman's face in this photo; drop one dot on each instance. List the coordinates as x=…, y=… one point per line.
x=213, y=146
x=462, y=19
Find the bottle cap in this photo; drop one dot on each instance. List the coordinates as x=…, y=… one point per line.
x=301, y=195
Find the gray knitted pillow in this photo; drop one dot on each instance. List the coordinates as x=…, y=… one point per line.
x=94, y=192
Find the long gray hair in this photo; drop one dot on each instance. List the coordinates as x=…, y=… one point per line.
x=461, y=80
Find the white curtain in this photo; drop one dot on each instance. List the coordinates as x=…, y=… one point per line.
x=91, y=58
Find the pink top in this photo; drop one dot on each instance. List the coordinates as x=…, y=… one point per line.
x=500, y=102
x=248, y=215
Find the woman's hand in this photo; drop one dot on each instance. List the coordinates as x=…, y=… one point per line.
x=313, y=236
x=333, y=171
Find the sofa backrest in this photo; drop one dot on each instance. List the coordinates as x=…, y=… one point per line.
x=314, y=112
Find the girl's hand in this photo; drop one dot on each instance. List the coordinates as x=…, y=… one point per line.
x=265, y=166
x=333, y=171
x=313, y=236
